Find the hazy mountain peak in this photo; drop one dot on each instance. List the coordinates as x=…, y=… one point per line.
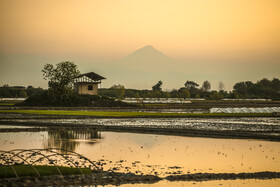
x=147, y=59
x=147, y=54
x=147, y=47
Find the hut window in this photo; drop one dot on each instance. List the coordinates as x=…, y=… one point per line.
x=90, y=87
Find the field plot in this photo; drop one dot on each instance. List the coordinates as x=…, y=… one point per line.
x=115, y=146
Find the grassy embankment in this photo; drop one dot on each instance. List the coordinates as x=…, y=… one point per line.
x=131, y=114
x=25, y=170
x=7, y=104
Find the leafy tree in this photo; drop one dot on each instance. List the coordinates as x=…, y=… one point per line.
x=31, y=90
x=5, y=92
x=165, y=94
x=215, y=95
x=22, y=94
x=148, y=95
x=261, y=89
x=184, y=93
x=119, y=90
x=60, y=80
x=174, y=93
x=235, y=95
x=155, y=94
x=137, y=95
x=206, y=86
x=190, y=84
x=157, y=86
x=264, y=82
x=275, y=83
x=240, y=87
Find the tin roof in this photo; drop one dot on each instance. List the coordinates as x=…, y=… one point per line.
x=92, y=75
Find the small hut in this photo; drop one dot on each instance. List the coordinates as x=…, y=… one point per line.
x=87, y=83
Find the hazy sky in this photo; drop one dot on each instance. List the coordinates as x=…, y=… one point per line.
x=205, y=31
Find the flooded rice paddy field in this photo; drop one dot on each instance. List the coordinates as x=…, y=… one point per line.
x=161, y=155
x=155, y=154
x=256, y=124
x=224, y=183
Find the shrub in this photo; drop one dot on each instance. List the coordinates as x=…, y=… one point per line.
x=47, y=99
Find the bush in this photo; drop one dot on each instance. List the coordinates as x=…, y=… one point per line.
x=73, y=100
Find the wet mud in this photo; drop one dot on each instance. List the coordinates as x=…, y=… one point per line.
x=114, y=178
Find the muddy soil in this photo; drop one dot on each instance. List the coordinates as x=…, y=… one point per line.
x=113, y=178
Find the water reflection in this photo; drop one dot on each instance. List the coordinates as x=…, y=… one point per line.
x=227, y=183
x=70, y=140
x=155, y=154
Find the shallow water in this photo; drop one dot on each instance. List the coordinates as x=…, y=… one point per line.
x=155, y=154
x=227, y=183
x=241, y=124
x=163, y=155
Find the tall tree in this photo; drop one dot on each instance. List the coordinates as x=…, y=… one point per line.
x=206, y=86
x=275, y=83
x=157, y=86
x=190, y=84
x=240, y=87
x=60, y=79
x=184, y=93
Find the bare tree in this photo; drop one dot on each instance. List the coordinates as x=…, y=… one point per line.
x=221, y=86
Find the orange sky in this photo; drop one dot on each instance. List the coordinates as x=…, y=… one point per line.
x=211, y=39
x=109, y=29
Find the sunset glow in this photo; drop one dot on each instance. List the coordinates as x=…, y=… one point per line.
x=178, y=28
x=200, y=31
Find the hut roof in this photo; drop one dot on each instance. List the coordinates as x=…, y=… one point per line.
x=92, y=75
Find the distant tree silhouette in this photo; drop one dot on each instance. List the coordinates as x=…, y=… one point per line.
x=221, y=86
x=183, y=93
x=157, y=86
x=206, y=86
x=190, y=84
x=261, y=89
x=119, y=90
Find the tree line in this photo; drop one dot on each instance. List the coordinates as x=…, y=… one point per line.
x=7, y=91
x=61, y=88
x=262, y=89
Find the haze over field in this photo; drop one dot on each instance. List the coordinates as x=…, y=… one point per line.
x=137, y=43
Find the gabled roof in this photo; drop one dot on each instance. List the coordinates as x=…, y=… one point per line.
x=92, y=75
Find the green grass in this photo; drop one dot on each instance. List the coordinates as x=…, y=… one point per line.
x=130, y=114
x=25, y=170
x=7, y=104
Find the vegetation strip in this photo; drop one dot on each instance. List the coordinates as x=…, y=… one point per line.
x=223, y=176
x=114, y=178
x=25, y=170
x=22, y=129
x=132, y=114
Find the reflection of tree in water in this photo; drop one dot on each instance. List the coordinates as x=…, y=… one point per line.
x=69, y=140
